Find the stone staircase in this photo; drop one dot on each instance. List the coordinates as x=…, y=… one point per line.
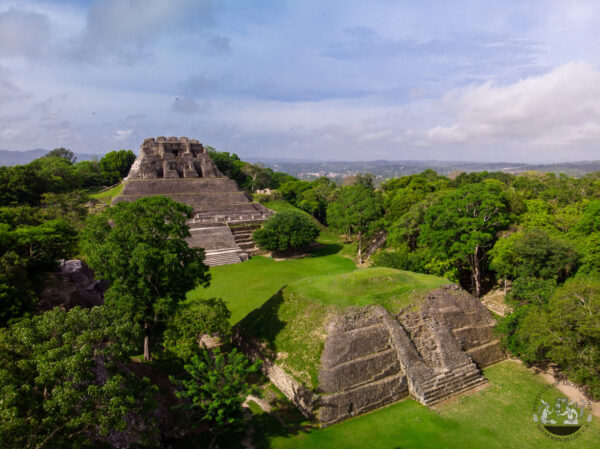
x=443, y=386
x=218, y=243
x=222, y=257
x=242, y=234
x=421, y=333
x=449, y=370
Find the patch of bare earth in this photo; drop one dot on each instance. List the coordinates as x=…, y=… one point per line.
x=494, y=301
x=551, y=374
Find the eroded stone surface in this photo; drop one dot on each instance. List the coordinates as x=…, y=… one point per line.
x=371, y=358
x=72, y=284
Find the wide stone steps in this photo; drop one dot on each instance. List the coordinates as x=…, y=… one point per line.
x=222, y=258
x=443, y=386
x=456, y=373
x=445, y=393
x=242, y=234
x=246, y=245
x=211, y=237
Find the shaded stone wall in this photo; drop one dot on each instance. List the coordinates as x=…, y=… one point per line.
x=71, y=284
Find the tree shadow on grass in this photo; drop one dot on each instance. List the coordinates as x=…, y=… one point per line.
x=283, y=421
x=262, y=324
x=325, y=249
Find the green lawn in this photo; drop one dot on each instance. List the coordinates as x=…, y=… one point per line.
x=108, y=195
x=390, y=288
x=497, y=417
x=282, y=205
x=248, y=285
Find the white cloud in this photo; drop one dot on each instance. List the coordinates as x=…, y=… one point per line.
x=559, y=108
x=122, y=134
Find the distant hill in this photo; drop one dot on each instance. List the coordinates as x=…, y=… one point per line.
x=383, y=169
x=9, y=157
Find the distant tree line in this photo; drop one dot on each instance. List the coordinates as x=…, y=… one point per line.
x=59, y=172
x=249, y=177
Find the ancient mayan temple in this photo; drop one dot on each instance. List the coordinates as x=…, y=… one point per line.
x=430, y=351
x=181, y=169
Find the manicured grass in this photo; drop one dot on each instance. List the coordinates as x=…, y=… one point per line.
x=497, y=417
x=390, y=288
x=282, y=205
x=108, y=195
x=248, y=285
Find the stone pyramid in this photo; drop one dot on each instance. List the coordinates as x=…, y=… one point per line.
x=181, y=169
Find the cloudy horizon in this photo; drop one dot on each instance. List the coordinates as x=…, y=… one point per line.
x=336, y=80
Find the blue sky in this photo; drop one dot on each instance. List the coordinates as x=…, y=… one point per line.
x=335, y=79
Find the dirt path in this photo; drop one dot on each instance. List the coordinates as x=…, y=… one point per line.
x=552, y=374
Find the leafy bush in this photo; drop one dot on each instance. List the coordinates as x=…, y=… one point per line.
x=217, y=388
x=564, y=331
x=209, y=316
x=286, y=230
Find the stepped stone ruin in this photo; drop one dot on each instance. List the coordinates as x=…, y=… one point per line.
x=371, y=358
x=181, y=169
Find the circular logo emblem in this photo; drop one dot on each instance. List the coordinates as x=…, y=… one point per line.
x=557, y=416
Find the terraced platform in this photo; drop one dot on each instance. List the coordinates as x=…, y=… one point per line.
x=431, y=349
x=181, y=169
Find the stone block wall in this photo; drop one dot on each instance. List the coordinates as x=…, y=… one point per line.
x=172, y=158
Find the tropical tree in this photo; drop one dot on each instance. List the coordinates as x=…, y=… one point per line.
x=64, y=153
x=534, y=254
x=563, y=330
x=26, y=252
x=217, y=387
x=191, y=321
x=464, y=225
x=115, y=165
x=286, y=230
x=355, y=213
x=65, y=382
x=140, y=248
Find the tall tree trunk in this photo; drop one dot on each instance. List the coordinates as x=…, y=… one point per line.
x=360, y=248
x=477, y=272
x=211, y=445
x=147, y=355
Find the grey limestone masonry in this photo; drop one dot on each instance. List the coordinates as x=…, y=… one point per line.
x=181, y=169
x=372, y=358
